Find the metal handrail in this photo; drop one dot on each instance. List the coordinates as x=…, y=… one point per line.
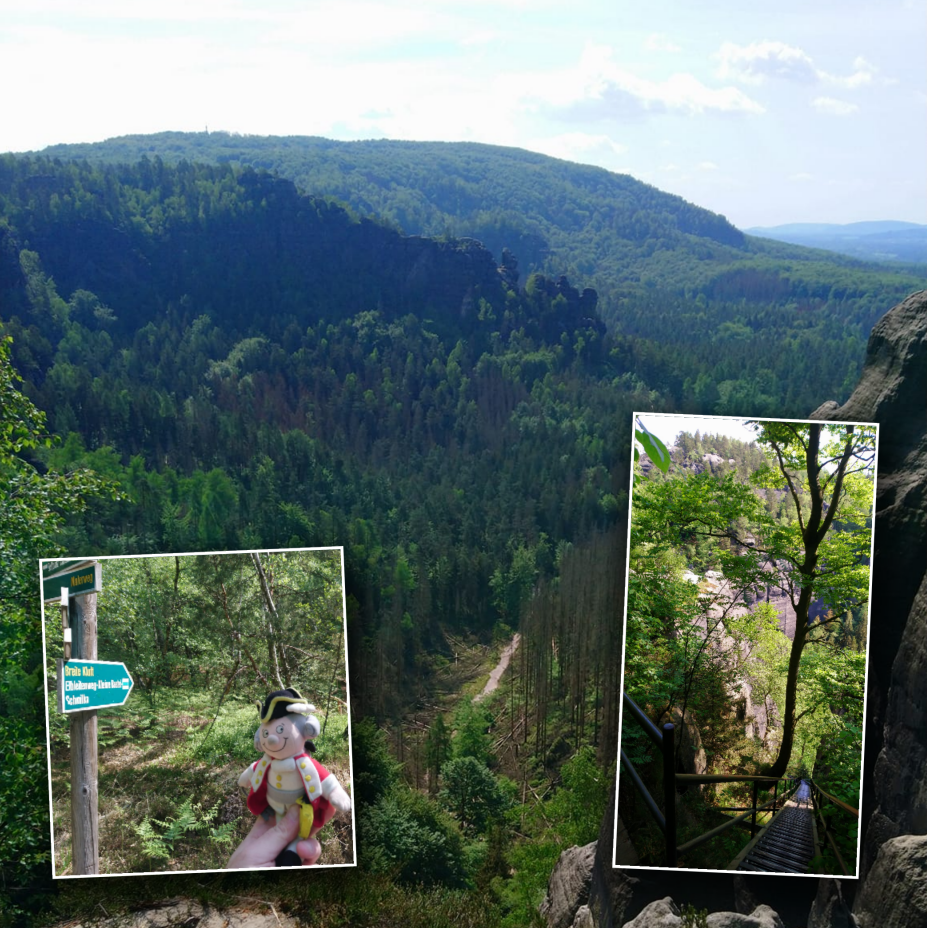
x=645, y=793
x=664, y=741
x=666, y=820
x=837, y=802
x=844, y=807
x=650, y=730
x=702, y=839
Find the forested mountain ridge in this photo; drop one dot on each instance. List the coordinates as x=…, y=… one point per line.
x=699, y=301
x=463, y=436
x=609, y=229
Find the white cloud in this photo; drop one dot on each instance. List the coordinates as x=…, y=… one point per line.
x=834, y=107
x=707, y=166
x=760, y=61
x=480, y=37
x=863, y=74
x=802, y=177
x=755, y=63
x=659, y=42
x=599, y=89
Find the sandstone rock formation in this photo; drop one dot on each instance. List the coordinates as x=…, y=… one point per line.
x=893, y=392
x=690, y=755
x=568, y=888
x=185, y=913
x=664, y=913
x=895, y=893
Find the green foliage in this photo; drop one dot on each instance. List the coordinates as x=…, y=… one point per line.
x=189, y=821
x=407, y=836
x=437, y=750
x=472, y=794
x=375, y=770
x=652, y=445
x=577, y=808
x=693, y=918
x=34, y=506
x=471, y=733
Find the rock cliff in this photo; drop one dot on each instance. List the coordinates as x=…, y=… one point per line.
x=893, y=392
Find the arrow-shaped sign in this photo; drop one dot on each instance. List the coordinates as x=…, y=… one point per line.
x=86, y=685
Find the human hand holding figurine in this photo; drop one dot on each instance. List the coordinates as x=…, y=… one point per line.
x=287, y=776
x=265, y=841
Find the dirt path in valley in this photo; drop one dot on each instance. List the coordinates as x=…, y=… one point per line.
x=493, y=682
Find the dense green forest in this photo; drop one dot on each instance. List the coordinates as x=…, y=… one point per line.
x=459, y=435
x=698, y=301
x=221, y=362
x=746, y=619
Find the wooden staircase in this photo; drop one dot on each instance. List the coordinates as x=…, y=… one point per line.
x=787, y=843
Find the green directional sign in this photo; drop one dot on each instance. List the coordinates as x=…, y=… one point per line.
x=87, y=578
x=92, y=685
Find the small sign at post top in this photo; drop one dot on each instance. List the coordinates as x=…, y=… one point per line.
x=92, y=685
x=87, y=578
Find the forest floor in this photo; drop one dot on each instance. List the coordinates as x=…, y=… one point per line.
x=168, y=796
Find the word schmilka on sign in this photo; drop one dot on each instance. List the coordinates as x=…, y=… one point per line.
x=92, y=685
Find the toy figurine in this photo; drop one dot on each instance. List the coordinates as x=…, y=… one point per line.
x=287, y=774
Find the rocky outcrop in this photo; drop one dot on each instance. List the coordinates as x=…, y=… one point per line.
x=185, y=913
x=568, y=888
x=664, y=913
x=893, y=392
x=830, y=909
x=895, y=893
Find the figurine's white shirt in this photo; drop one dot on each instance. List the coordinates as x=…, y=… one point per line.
x=289, y=773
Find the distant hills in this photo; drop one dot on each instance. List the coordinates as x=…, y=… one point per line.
x=693, y=304
x=886, y=240
x=601, y=229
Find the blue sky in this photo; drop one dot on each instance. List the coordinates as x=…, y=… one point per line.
x=797, y=112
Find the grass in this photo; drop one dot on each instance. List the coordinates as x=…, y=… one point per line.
x=168, y=786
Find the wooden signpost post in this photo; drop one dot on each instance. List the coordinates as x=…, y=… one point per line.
x=84, y=685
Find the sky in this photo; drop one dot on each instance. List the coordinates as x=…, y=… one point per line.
x=667, y=426
x=765, y=113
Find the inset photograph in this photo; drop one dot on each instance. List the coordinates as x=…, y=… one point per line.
x=745, y=645
x=198, y=712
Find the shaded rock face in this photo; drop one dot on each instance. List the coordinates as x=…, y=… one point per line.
x=893, y=392
x=690, y=755
x=830, y=910
x=895, y=893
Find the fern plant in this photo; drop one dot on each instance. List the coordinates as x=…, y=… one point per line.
x=190, y=818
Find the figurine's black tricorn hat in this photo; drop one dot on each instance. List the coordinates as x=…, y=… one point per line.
x=280, y=703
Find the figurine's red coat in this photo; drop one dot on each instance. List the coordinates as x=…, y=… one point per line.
x=323, y=810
